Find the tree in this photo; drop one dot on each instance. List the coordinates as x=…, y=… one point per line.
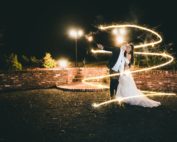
x=13, y=63
x=25, y=60
x=48, y=61
x=35, y=62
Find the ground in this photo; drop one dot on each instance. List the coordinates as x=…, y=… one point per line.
x=52, y=115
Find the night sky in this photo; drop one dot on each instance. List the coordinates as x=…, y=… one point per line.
x=35, y=27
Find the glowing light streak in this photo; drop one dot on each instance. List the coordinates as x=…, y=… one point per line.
x=137, y=27
x=135, y=71
x=120, y=100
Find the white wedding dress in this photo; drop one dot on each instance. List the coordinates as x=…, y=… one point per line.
x=128, y=92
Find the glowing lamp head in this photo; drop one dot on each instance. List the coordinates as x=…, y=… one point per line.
x=80, y=33
x=73, y=33
x=90, y=38
x=63, y=63
x=122, y=31
x=115, y=31
x=120, y=40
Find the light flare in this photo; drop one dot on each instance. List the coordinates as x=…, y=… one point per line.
x=115, y=31
x=89, y=38
x=123, y=31
x=76, y=33
x=120, y=39
x=63, y=63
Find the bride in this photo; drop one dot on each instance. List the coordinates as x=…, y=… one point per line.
x=127, y=91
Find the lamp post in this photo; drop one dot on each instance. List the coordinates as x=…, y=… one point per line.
x=76, y=33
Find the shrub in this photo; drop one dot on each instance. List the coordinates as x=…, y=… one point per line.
x=13, y=63
x=48, y=61
x=25, y=60
x=35, y=62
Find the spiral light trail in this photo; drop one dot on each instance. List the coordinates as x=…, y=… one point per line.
x=150, y=44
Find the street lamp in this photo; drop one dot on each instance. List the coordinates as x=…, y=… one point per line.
x=121, y=31
x=89, y=38
x=120, y=39
x=63, y=63
x=120, y=35
x=76, y=33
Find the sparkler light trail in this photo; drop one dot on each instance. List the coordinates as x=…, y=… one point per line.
x=135, y=71
x=150, y=44
x=120, y=100
x=137, y=27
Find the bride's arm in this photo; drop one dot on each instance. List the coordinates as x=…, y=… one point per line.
x=127, y=61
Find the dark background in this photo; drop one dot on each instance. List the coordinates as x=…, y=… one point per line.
x=35, y=27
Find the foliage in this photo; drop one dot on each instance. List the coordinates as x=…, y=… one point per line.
x=146, y=61
x=13, y=63
x=48, y=61
x=25, y=58
x=35, y=62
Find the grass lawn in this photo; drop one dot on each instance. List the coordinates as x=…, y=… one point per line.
x=51, y=115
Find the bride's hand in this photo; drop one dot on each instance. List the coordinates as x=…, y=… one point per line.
x=100, y=46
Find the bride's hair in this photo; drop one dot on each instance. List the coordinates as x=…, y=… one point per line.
x=132, y=54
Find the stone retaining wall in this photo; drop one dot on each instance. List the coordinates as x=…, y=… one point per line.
x=153, y=80
x=157, y=80
x=32, y=79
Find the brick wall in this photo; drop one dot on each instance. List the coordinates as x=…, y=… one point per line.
x=157, y=80
x=32, y=79
x=153, y=80
x=88, y=72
